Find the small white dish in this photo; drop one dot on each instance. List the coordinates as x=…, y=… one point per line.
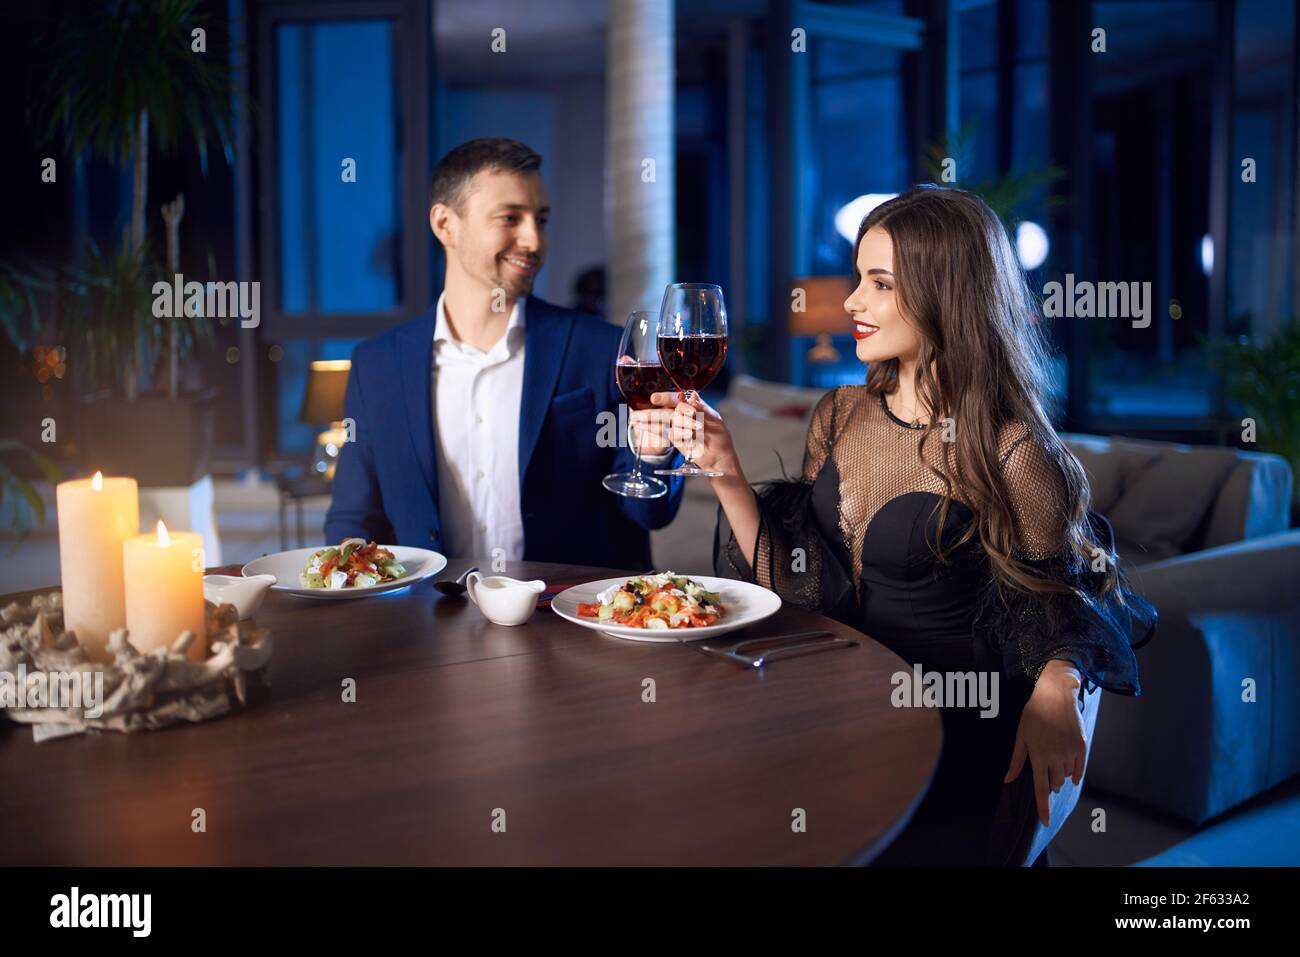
x=287, y=566
x=504, y=601
x=745, y=604
x=245, y=594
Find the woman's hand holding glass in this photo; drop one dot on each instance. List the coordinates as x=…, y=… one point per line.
x=690, y=427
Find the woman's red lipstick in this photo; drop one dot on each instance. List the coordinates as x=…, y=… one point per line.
x=862, y=330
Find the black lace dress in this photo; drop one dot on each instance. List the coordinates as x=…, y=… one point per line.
x=852, y=539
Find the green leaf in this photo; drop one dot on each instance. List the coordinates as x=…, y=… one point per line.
x=28, y=503
x=49, y=471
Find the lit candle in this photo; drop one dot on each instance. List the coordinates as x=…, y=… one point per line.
x=164, y=590
x=96, y=515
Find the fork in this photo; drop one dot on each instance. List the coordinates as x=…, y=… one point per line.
x=785, y=646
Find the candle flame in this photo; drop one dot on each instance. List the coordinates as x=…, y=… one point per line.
x=97, y=483
x=163, y=538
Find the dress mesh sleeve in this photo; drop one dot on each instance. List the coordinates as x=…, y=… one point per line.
x=1098, y=633
x=791, y=555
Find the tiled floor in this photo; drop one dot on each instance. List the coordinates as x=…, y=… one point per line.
x=1117, y=836
x=1259, y=832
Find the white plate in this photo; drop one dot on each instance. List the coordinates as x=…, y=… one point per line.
x=744, y=604
x=420, y=564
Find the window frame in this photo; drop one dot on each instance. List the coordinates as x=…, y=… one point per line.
x=412, y=69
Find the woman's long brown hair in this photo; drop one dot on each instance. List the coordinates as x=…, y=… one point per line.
x=959, y=283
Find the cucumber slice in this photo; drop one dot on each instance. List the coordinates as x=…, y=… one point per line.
x=311, y=580
x=393, y=569
x=605, y=612
x=363, y=580
x=624, y=601
x=657, y=624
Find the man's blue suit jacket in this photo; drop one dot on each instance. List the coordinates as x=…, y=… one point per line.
x=386, y=483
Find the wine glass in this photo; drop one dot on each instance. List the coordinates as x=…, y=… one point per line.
x=692, y=345
x=639, y=375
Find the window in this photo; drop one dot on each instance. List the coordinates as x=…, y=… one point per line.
x=343, y=158
x=1261, y=230
x=338, y=174
x=859, y=141
x=342, y=152
x=859, y=151
x=1151, y=209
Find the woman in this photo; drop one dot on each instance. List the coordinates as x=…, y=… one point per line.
x=940, y=513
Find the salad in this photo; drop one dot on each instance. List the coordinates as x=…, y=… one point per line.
x=656, y=601
x=355, y=563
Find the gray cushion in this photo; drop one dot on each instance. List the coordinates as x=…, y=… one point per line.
x=1161, y=507
x=774, y=396
x=1111, y=467
x=1255, y=501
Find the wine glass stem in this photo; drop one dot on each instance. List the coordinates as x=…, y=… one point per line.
x=636, y=467
x=688, y=398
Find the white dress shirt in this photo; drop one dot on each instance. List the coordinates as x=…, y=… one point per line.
x=476, y=402
x=476, y=406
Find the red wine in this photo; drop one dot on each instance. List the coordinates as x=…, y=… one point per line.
x=639, y=380
x=692, y=361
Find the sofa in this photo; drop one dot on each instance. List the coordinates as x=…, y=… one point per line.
x=1202, y=533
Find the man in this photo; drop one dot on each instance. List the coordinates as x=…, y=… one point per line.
x=476, y=424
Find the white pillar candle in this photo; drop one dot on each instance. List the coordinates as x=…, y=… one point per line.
x=163, y=574
x=96, y=515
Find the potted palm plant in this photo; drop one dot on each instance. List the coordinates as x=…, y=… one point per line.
x=124, y=75
x=1262, y=377
x=107, y=318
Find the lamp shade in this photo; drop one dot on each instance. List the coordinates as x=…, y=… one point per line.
x=823, y=306
x=327, y=382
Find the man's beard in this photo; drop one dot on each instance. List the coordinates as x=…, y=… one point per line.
x=515, y=285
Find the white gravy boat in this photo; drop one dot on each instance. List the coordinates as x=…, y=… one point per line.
x=245, y=594
x=505, y=601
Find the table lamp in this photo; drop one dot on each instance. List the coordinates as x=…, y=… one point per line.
x=822, y=314
x=327, y=383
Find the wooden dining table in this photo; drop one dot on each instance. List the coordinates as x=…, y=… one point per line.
x=470, y=743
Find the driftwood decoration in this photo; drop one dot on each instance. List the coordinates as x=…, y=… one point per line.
x=140, y=692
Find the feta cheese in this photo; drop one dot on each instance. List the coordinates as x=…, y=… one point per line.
x=338, y=579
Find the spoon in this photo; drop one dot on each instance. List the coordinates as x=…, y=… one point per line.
x=454, y=589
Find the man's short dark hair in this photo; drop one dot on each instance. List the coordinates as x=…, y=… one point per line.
x=452, y=175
